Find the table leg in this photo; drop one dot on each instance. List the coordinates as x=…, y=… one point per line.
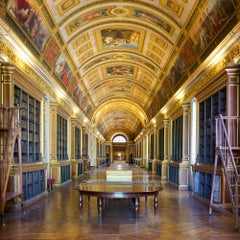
x=100, y=209
x=155, y=203
x=137, y=206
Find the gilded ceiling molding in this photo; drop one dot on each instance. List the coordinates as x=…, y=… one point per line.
x=204, y=79
x=2, y=9
x=125, y=104
x=31, y=74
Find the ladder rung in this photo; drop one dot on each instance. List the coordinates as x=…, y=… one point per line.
x=236, y=196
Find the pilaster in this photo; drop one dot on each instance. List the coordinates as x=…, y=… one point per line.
x=233, y=105
x=184, y=165
x=166, y=150
x=7, y=85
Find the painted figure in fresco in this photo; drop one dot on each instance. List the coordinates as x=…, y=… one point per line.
x=120, y=70
x=30, y=20
x=120, y=38
x=63, y=71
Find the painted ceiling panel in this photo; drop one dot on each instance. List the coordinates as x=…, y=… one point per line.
x=121, y=60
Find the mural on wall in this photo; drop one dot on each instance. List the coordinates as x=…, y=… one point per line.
x=78, y=94
x=153, y=108
x=188, y=54
x=51, y=53
x=212, y=21
x=176, y=73
x=82, y=99
x=31, y=22
x=63, y=71
x=214, y=18
x=121, y=38
x=72, y=85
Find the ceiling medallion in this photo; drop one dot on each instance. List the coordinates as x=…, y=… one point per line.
x=119, y=11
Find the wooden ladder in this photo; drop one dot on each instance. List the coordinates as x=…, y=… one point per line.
x=227, y=154
x=9, y=133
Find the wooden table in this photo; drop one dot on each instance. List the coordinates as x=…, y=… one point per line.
x=104, y=190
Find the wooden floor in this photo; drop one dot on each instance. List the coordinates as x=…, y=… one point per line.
x=178, y=217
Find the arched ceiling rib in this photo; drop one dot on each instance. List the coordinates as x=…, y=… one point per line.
x=121, y=60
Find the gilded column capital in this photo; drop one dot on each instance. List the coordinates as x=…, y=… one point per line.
x=166, y=122
x=186, y=106
x=233, y=69
x=6, y=68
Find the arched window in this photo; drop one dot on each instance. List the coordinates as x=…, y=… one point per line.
x=119, y=139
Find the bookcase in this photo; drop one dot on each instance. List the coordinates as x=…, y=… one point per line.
x=77, y=143
x=208, y=110
x=61, y=138
x=203, y=171
x=177, y=139
x=203, y=185
x=30, y=126
x=65, y=173
x=159, y=169
x=174, y=174
x=33, y=182
x=152, y=146
x=80, y=169
x=161, y=144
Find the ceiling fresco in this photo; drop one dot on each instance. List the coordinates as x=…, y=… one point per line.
x=121, y=61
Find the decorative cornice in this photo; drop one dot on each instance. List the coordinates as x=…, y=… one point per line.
x=37, y=80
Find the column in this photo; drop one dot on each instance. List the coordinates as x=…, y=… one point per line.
x=7, y=85
x=166, y=150
x=185, y=151
x=154, y=150
x=55, y=172
x=74, y=162
x=184, y=165
x=53, y=132
x=233, y=106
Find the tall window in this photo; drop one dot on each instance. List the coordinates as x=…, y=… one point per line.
x=119, y=139
x=208, y=110
x=177, y=135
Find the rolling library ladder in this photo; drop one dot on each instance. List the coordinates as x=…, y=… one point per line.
x=227, y=155
x=9, y=134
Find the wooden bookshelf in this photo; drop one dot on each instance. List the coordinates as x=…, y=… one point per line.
x=33, y=181
x=30, y=126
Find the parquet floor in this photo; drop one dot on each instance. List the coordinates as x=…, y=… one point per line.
x=57, y=217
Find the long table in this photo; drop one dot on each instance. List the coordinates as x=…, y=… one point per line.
x=105, y=190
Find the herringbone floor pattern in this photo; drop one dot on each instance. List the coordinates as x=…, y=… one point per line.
x=57, y=217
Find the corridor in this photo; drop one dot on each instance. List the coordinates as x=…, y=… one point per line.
x=56, y=216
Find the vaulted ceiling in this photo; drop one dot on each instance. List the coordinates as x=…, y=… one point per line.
x=120, y=61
